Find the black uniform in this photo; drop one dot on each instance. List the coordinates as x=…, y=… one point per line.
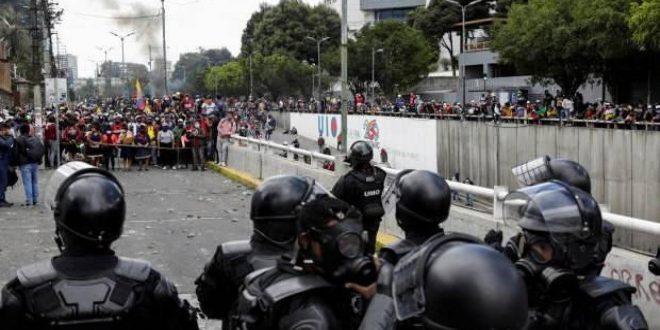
x=309, y=292
x=218, y=286
x=288, y=298
x=363, y=189
x=92, y=292
x=422, y=200
x=87, y=286
x=273, y=211
x=561, y=230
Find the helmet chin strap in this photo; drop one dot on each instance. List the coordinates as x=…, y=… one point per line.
x=59, y=241
x=281, y=244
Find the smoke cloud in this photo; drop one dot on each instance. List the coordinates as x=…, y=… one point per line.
x=144, y=20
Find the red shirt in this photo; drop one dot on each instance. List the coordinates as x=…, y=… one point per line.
x=50, y=133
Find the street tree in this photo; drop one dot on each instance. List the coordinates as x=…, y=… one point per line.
x=228, y=78
x=283, y=29
x=190, y=69
x=406, y=59
x=643, y=22
x=436, y=22
x=564, y=41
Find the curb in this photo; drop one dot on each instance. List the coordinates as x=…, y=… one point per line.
x=235, y=175
x=382, y=238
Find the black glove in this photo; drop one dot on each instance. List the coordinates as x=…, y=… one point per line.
x=494, y=239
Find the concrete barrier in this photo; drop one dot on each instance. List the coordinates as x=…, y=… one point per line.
x=621, y=264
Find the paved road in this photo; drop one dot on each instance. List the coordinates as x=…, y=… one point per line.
x=175, y=219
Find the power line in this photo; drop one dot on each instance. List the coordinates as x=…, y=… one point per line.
x=116, y=17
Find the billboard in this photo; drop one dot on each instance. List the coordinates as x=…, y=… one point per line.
x=56, y=90
x=408, y=142
x=315, y=125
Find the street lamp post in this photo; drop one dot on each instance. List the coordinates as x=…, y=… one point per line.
x=123, y=59
x=463, y=39
x=318, y=41
x=105, y=61
x=373, y=71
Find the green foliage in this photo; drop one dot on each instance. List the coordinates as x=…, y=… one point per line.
x=229, y=78
x=406, y=58
x=564, y=40
x=191, y=67
x=644, y=21
x=282, y=29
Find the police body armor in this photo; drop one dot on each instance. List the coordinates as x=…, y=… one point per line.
x=258, y=304
x=599, y=303
x=102, y=301
x=369, y=188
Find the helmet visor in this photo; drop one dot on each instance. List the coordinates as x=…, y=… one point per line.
x=58, y=178
x=548, y=207
x=314, y=191
x=533, y=172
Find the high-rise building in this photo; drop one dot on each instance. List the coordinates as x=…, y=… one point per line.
x=69, y=64
x=362, y=12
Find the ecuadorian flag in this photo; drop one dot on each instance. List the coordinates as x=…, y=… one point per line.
x=140, y=103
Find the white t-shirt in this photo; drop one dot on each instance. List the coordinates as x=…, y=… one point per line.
x=165, y=137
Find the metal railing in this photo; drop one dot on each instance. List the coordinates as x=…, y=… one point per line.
x=315, y=157
x=496, y=194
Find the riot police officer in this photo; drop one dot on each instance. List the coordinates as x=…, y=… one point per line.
x=87, y=286
x=544, y=169
x=308, y=292
x=362, y=187
x=452, y=281
x=561, y=228
x=274, y=210
x=422, y=200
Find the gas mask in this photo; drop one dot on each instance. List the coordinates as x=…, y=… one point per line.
x=343, y=255
x=542, y=266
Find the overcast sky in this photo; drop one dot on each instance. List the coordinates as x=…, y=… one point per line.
x=191, y=24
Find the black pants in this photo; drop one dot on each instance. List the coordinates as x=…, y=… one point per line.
x=371, y=226
x=166, y=158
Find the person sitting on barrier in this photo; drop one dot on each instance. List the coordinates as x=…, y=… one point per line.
x=273, y=211
x=561, y=227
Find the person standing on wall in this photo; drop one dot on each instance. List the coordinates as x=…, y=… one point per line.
x=362, y=187
x=226, y=127
x=30, y=153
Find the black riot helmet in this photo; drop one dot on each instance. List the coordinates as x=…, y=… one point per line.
x=544, y=169
x=421, y=197
x=564, y=219
x=455, y=282
x=360, y=153
x=276, y=204
x=337, y=227
x=88, y=205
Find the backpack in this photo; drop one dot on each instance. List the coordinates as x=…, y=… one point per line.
x=34, y=150
x=12, y=177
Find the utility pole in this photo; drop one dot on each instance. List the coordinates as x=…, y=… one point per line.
x=36, y=68
x=344, y=75
x=122, y=72
x=318, y=41
x=373, y=71
x=107, y=69
x=463, y=40
x=164, y=48
x=150, y=75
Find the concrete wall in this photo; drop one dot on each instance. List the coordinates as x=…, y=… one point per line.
x=622, y=264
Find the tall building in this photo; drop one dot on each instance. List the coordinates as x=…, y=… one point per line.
x=68, y=63
x=362, y=12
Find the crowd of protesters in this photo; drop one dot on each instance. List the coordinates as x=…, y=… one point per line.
x=556, y=107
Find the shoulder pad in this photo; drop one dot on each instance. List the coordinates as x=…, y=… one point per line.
x=292, y=286
x=255, y=274
x=236, y=248
x=600, y=286
x=133, y=269
x=401, y=247
x=35, y=274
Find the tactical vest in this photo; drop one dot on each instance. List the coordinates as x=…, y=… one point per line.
x=369, y=191
x=257, y=305
x=392, y=253
x=104, y=301
x=235, y=260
